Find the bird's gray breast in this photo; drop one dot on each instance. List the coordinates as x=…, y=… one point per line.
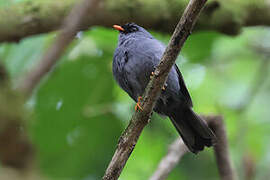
x=134, y=61
x=143, y=56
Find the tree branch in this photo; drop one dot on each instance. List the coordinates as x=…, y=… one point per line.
x=72, y=24
x=221, y=148
x=140, y=119
x=3, y=75
x=16, y=151
x=176, y=150
x=35, y=17
x=249, y=166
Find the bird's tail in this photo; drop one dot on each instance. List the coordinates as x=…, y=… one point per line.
x=193, y=129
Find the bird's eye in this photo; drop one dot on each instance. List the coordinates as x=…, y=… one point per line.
x=133, y=29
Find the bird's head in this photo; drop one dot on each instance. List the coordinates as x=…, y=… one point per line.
x=131, y=30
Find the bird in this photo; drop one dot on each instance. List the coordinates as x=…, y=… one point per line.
x=135, y=58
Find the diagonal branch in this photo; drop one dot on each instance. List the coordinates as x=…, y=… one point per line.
x=72, y=24
x=140, y=119
x=178, y=149
x=221, y=148
x=175, y=152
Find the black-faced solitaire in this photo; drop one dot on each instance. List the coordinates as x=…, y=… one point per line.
x=135, y=58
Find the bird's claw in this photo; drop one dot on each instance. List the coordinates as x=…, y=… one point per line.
x=138, y=106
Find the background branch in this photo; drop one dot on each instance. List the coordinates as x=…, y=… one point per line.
x=16, y=151
x=35, y=17
x=175, y=152
x=177, y=149
x=221, y=148
x=3, y=74
x=72, y=24
x=249, y=167
x=140, y=119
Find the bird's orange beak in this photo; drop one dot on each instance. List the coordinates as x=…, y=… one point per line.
x=119, y=28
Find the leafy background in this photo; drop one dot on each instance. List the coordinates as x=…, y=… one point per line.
x=78, y=111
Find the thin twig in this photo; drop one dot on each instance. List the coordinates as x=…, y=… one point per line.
x=70, y=27
x=140, y=119
x=175, y=152
x=221, y=148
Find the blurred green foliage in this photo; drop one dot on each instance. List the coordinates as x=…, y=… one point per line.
x=78, y=111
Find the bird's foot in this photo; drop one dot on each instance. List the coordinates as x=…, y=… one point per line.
x=138, y=106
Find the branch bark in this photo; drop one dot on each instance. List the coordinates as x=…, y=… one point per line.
x=221, y=148
x=16, y=151
x=72, y=24
x=176, y=150
x=140, y=119
x=3, y=75
x=35, y=17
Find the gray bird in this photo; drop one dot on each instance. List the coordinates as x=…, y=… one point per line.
x=135, y=58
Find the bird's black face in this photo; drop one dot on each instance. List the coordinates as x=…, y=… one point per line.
x=131, y=30
x=130, y=27
x=127, y=28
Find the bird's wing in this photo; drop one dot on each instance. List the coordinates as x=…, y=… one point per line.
x=120, y=75
x=183, y=88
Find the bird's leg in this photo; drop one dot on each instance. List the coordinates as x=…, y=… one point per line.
x=165, y=85
x=138, y=106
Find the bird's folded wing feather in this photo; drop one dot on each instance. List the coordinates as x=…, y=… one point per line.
x=183, y=87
